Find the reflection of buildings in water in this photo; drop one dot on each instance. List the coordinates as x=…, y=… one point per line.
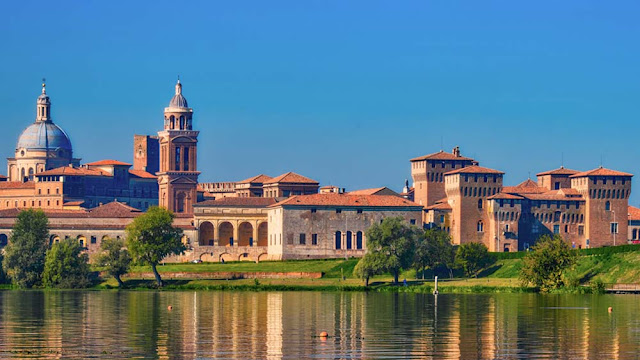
x=274, y=326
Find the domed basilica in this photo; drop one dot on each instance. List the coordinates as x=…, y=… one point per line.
x=42, y=146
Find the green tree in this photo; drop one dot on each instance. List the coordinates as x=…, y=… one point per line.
x=24, y=255
x=151, y=237
x=3, y=277
x=371, y=264
x=473, y=257
x=395, y=240
x=544, y=266
x=66, y=266
x=432, y=250
x=114, y=258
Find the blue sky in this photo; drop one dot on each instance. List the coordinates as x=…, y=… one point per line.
x=345, y=92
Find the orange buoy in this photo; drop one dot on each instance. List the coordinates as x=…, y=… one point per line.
x=169, y=307
x=324, y=334
x=610, y=309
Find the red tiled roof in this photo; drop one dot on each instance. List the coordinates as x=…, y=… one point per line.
x=559, y=171
x=256, y=179
x=108, y=162
x=600, y=172
x=526, y=187
x=475, y=169
x=238, y=202
x=439, y=206
x=373, y=191
x=142, y=174
x=441, y=155
x=504, y=196
x=74, y=203
x=347, y=200
x=72, y=171
x=634, y=213
x=555, y=195
x=17, y=185
x=290, y=177
x=3, y=177
x=114, y=209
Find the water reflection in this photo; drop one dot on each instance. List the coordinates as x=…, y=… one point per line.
x=275, y=325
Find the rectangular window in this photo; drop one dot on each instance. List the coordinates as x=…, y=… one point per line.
x=313, y=211
x=412, y=221
x=177, y=167
x=314, y=239
x=580, y=229
x=93, y=239
x=186, y=159
x=338, y=211
x=556, y=229
x=359, y=211
x=441, y=218
x=566, y=228
x=556, y=186
x=303, y=239
x=614, y=227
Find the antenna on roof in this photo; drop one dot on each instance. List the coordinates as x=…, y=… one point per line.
x=600, y=160
x=529, y=175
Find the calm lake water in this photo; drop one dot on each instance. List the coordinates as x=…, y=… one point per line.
x=284, y=325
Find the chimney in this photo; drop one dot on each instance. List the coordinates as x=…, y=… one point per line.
x=456, y=151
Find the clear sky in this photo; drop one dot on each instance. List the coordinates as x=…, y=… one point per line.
x=345, y=92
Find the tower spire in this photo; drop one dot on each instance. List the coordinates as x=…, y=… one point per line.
x=178, y=87
x=44, y=85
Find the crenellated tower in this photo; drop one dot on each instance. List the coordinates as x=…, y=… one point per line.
x=178, y=175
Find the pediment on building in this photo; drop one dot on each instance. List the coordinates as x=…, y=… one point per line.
x=183, y=180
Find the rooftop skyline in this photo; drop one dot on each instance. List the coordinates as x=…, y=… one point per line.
x=342, y=93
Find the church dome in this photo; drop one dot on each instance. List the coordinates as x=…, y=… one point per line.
x=44, y=135
x=178, y=100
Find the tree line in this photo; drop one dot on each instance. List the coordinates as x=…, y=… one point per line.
x=31, y=261
x=394, y=246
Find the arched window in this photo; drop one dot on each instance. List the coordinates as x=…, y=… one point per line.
x=349, y=240
x=635, y=234
x=338, y=240
x=22, y=175
x=181, y=122
x=172, y=120
x=480, y=226
x=359, y=240
x=607, y=206
x=479, y=203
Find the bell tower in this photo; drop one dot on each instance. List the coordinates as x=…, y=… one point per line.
x=178, y=175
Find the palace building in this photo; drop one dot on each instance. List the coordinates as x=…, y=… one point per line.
x=588, y=209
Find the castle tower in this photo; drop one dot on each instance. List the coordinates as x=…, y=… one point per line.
x=468, y=190
x=428, y=172
x=606, y=193
x=178, y=175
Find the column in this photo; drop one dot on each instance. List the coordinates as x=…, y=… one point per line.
x=216, y=233
x=255, y=232
x=236, y=234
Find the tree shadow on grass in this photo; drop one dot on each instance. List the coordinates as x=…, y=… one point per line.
x=488, y=271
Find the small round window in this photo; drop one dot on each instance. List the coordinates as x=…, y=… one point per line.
x=22, y=153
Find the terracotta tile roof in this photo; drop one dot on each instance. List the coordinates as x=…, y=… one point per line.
x=556, y=195
x=439, y=206
x=634, y=213
x=3, y=177
x=17, y=185
x=559, y=171
x=73, y=203
x=256, y=179
x=114, y=209
x=526, y=187
x=291, y=178
x=600, y=172
x=374, y=191
x=505, y=196
x=475, y=169
x=347, y=200
x=569, y=192
x=441, y=155
x=143, y=174
x=72, y=171
x=108, y=162
x=238, y=202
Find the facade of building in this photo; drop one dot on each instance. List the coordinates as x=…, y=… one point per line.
x=588, y=209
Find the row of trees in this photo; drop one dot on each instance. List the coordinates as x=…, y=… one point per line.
x=31, y=261
x=394, y=246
